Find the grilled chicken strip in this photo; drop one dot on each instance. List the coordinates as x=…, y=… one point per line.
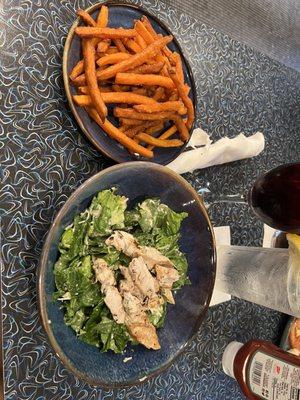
x=124, y=242
x=153, y=257
x=168, y=295
x=142, y=277
x=138, y=324
x=103, y=273
x=112, y=297
x=127, y=284
x=166, y=276
x=114, y=302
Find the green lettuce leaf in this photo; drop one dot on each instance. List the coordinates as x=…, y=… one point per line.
x=113, y=336
x=90, y=333
x=157, y=318
x=75, y=320
x=148, y=211
x=111, y=212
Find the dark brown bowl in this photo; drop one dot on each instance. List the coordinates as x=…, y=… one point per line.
x=119, y=15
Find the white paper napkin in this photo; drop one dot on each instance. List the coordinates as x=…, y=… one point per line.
x=223, y=151
x=222, y=235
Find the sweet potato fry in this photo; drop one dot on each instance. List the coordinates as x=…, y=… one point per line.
x=85, y=89
x=120, y=88
x=131, y=121
x=131, y=131
x=132, y=46
x=147, y=68
x=77, y=70
x=138, y=90
x=159, y=94
x=176, y=106
x=111, y=50
x=145, y=34
x=184, y=97
x=181, y=127
x=130, y=113
x=141, y=41
x=144, y=137
x=178, y=67
x=168, y=133
x=82, y=100
x=103, y=46
x=148, y=26
x=149, y=38
x=102, y=19
x=87, y=19
x=104, y=33
x=115, y=97
x=154, y=34
x=135, y=60
x=91, y=79
x=144, y=79
x=123, y=128
x=154, y=128
x=174, y=96
x=145, y=126
x=116, y=134
x=112, y=59
x=120, y=46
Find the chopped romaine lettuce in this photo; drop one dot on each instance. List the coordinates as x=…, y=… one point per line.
x=151, y=223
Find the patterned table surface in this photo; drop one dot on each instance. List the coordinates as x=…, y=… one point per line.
x=45, y=157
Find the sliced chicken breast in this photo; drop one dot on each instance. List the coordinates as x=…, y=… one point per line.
x=138, y=324
x=114, y=302
x=112, y=297
x=168, y=295
x=125, y=242
x=127, y=284
x=142, y=277
x=152, y=257
x=166, y=276
x=103, y=273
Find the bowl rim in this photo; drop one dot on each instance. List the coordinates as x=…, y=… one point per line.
x=41, y=271
x=67, y=85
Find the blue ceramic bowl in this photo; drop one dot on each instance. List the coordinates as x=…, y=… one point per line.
x=119, y=15
x=137, y=181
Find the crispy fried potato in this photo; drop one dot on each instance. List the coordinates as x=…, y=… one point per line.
x=144, y=137
x=104, y=33
x=144, y=79
x=115, y=97
x=116, y=134
x=102, y=19
x=176, y=106
x=90, y=72
x=87, y=19
x=130, y=113
x=184, y=97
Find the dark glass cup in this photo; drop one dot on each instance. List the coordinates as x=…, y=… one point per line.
x=275, y=198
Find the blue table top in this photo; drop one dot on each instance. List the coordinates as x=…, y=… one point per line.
x=45, y=157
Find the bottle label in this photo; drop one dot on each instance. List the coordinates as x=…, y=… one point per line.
x=272, y=379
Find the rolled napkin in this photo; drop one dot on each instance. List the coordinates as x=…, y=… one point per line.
x=223, y=151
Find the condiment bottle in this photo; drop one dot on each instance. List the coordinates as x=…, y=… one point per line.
x=263, y=370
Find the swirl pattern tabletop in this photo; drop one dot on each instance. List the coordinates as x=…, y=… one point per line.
x=45, y=157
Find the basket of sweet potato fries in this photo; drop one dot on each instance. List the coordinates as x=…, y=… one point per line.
x=131, y=84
